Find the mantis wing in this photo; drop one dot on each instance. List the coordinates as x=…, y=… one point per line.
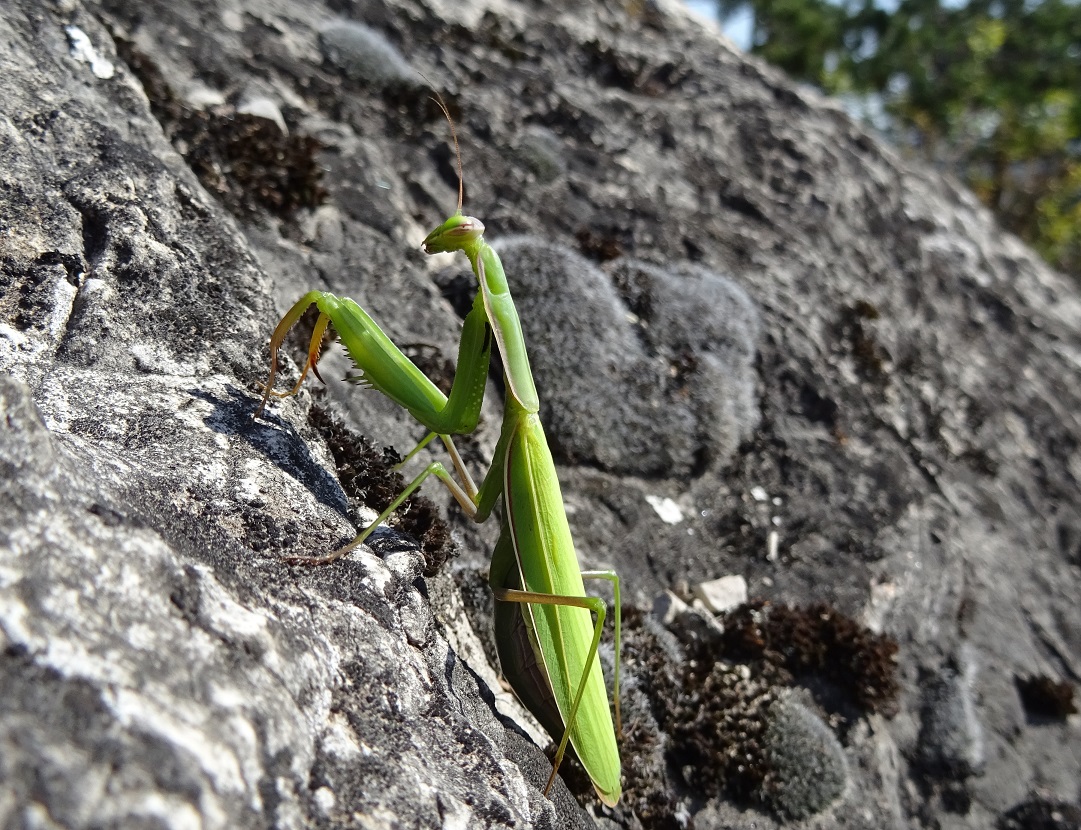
x=564, y=635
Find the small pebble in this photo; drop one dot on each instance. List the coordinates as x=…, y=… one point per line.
x=724, y=594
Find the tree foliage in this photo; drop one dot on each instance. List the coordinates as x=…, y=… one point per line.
x=990, y=90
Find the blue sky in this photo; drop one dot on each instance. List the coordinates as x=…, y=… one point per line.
x=738, y=27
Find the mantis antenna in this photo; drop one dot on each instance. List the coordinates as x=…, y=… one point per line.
x=454, y=135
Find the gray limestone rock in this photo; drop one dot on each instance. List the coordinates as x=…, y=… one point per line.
x=643, y=370
x=794, y=357
x=364, y=54
x=951, y=739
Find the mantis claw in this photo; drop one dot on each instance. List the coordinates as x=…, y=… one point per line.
x=307, y=560
x=276, y=340
x=311, y=561
x=314, y=561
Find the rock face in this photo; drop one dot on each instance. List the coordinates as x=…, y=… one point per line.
x=767, y=346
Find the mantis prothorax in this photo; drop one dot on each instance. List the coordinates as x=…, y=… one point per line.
x=546, y=637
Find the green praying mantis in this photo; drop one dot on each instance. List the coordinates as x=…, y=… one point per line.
x=546, y=637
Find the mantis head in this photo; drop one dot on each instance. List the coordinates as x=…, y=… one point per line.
x=456, y=234
x=459, y=233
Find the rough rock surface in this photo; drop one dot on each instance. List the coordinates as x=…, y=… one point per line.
x=864, y=394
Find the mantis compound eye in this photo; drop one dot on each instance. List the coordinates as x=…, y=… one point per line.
x=469, y=230
x=453, y=235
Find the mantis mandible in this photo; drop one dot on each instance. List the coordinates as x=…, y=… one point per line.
x=546, y=637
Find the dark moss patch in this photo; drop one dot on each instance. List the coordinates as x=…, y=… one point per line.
x=856, y=336
x=720, y=719
x=650, y=784
x=719, y=700
x=433, y=363
x=163, y=103
x=714, y=717
x=600, y=245
x=645, y=763
x=366, y=475
x=1041, y=813
x=1043, y=697
x=249, y=164
x=821, y=641
x=265, y=535
x=244, y=160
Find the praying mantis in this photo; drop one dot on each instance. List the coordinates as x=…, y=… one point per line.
x=546, y=637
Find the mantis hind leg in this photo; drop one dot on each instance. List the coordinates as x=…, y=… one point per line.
x=460, y=494
x=613, y=577
x=455, y=457
x=465, y=494
x=594, y=604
